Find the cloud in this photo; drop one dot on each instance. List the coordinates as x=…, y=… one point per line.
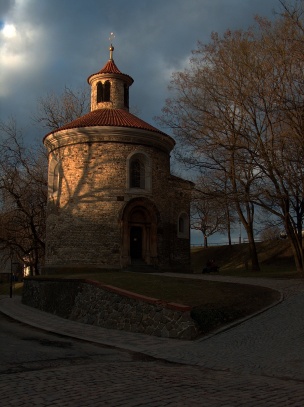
x=5, y=6
x=19, y=60
x=8, y=30
x=60, y=43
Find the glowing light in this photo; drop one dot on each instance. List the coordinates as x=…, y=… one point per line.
x=111, y=38
x=9, y=30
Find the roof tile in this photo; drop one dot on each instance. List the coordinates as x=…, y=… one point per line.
x=108, y=117
x=111, y=68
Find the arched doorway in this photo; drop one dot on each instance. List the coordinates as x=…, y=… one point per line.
x=136, y=241
x=139, y=233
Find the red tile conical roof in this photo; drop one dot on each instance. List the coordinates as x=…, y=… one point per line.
x=109, y=117
x=111, y=68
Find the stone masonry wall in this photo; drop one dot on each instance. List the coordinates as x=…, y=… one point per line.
x=83, y=224
x=117, y=94
x=94, y=303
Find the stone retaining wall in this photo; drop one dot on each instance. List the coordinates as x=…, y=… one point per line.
x=94, y=303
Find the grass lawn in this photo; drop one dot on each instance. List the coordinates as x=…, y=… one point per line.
x=214, y=303
x=275, y=257
x=173, y=289
x=5, y=288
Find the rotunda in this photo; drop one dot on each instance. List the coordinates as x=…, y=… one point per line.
x=112, y=201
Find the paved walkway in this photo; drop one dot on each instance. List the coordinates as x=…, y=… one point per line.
x=268, y=344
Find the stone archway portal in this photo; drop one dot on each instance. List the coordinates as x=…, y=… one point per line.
x=139, y=234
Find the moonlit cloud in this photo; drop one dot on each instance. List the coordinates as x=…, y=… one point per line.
x=9, y=30
x=19, y=60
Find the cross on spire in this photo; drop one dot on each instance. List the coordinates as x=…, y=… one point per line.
x=111, y=49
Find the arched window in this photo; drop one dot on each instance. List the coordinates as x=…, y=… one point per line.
x=137, y=174
x=103, y=92
x=107, y=91
x=183, y=226
x=99, y=92
x=126, y=95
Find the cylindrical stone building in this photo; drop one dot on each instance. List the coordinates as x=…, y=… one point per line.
x=112, y=201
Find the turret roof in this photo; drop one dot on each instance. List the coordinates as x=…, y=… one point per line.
x=109, y=117
x=111, y=68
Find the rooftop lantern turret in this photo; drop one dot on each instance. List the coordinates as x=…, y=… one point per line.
x=109, y=86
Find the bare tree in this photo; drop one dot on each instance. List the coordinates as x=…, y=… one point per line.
x=205, y=217
x=23, y=195
x=205, y=116
x=56, y=110
x=280, y=102
x=270, y=233
x=23, y=178
x=238, y=109
x=211, y=211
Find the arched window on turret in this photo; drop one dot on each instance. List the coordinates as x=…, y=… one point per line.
x=103, y=92
x=107, y=91
x=99, y=92
x=126, y=95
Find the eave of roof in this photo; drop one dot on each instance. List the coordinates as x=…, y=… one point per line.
x=183, y=180
x=109, y=117
x=111, y=68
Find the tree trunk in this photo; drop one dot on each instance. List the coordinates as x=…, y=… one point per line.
x=205, y=241
x=255, y=266
x=297, y=251
x=36, y=262
x=229, y=234
x=295, y=239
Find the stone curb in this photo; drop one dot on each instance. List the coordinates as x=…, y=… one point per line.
x=241, y=320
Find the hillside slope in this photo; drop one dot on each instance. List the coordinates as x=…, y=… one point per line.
x=275, y=256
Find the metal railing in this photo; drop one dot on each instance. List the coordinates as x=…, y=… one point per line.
x=245, y=240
